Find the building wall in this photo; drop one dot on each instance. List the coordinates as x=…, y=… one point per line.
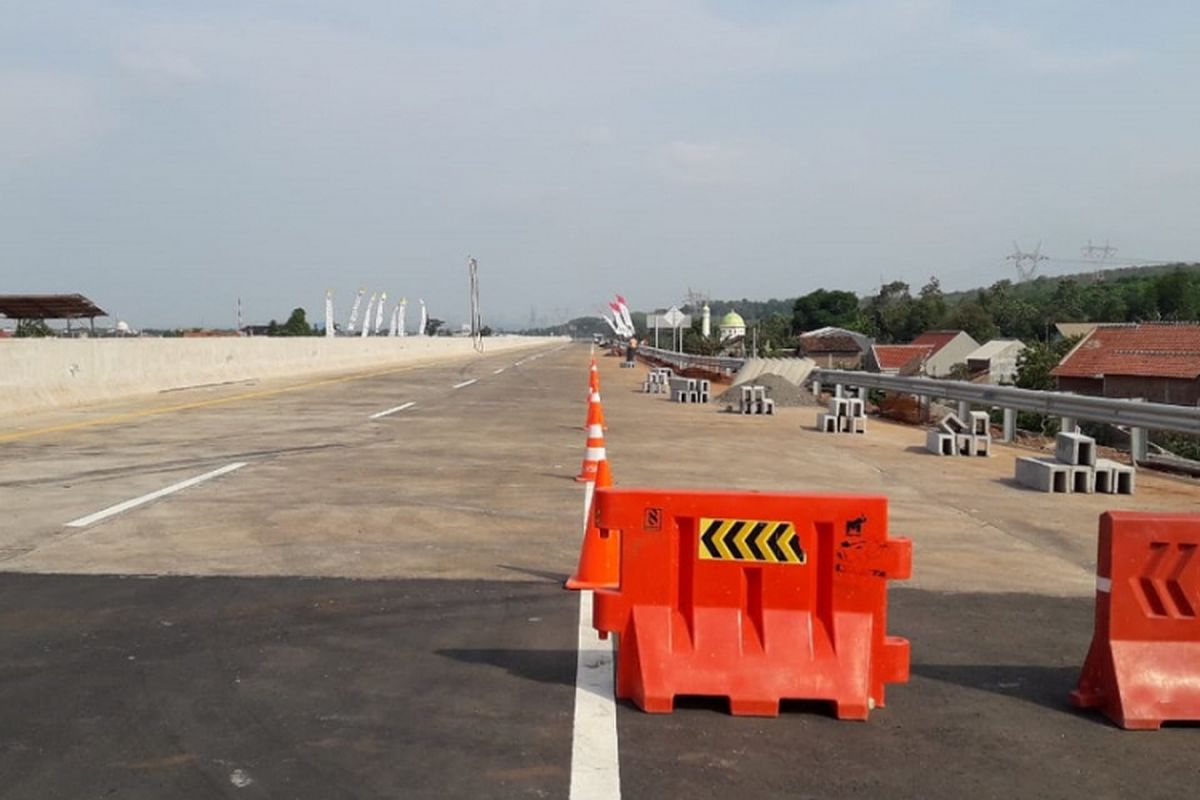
x=843, y=360
x=1176, y=391
x=1089, y=386
x=955, y=352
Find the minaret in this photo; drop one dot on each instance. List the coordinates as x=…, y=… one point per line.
x=706, y=322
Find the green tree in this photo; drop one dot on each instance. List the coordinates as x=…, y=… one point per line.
x=889, y=311
x=824, y=308
x=33, y=329
x=1037, y=359
x=973, y=318
x=296, y=325
x=1177, y=295
x=928, y=311
x=431, y=326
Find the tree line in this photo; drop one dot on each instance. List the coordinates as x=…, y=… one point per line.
x=1026, y=311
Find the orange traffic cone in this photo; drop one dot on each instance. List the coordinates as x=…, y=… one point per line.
x=595, y=442
x=595, y=413
x=593, y=378
x=600, y=556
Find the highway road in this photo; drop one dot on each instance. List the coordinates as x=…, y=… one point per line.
x=351, y=588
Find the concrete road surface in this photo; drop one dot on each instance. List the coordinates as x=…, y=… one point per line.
x=351, y=588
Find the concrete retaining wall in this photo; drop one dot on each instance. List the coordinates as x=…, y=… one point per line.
x=44, y=374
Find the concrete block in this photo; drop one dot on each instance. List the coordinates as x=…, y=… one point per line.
x=966, y=444
x=1083, y=479
x=1043, y=474
x=827, y=423
x=1075, y=449
x=952, y=424
x=847, y=407
x=939, y=443
x=1113, y=477
x=980, y=424
x=856, y=424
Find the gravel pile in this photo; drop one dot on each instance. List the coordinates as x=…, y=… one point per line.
x=785, y=393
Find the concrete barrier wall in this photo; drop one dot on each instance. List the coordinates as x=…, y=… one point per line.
x=44, y=374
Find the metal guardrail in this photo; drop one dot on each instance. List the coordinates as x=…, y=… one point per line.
x=683, y=360
x=1112, y=411
x=1132, y=413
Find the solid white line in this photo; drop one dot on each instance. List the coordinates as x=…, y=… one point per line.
x=464, y=383
x=595, y=756
x=392, y=410
x=120, y=508
x=497, y=371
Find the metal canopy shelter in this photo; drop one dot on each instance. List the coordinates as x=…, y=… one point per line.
x=50, y=306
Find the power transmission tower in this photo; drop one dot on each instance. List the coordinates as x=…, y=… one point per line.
x=695, y=300
x=1026, y=263
x=1098, y=253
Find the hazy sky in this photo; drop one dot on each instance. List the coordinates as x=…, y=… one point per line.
x=165, y=158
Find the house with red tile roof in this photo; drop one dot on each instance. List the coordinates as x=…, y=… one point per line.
x=834, y=348
x=933, y=354
x=1156, y=361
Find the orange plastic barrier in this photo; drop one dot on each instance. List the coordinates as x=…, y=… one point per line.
x=752, y=596
x=1143, y=668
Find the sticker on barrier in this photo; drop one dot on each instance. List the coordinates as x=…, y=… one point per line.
x=768, y=541
x=1143, y=666
x=753, y=596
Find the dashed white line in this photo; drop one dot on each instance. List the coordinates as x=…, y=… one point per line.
x=121, y=508
x=392, y=410
x=464, y=383
x=497, y=371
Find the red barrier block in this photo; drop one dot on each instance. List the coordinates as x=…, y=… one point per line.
x=1143, y=667
x=752, y=596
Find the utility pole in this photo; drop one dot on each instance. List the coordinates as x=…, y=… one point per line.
x=1021, y=258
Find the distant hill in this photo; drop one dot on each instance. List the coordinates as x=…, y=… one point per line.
x=1044, y=284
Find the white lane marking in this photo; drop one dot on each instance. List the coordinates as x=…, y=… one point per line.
x=518, y=363
x=595, y=756
x=120, y=508
x=392, y=410
x=464, y=383
x=497, y=371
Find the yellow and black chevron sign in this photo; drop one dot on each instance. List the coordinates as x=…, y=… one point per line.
x=750, y=540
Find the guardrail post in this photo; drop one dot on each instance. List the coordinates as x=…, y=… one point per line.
x=964, y=410
x=1138, y=444
x=837, y=390
x=816, y=388
x=1068, y=425
x=1010, y=425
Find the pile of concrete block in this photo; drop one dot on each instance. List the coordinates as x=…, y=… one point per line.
x=754, y=400
x=689, y=390
x=846, y=415
x=1075, y=468
x=657, y=380
x=953, y=437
